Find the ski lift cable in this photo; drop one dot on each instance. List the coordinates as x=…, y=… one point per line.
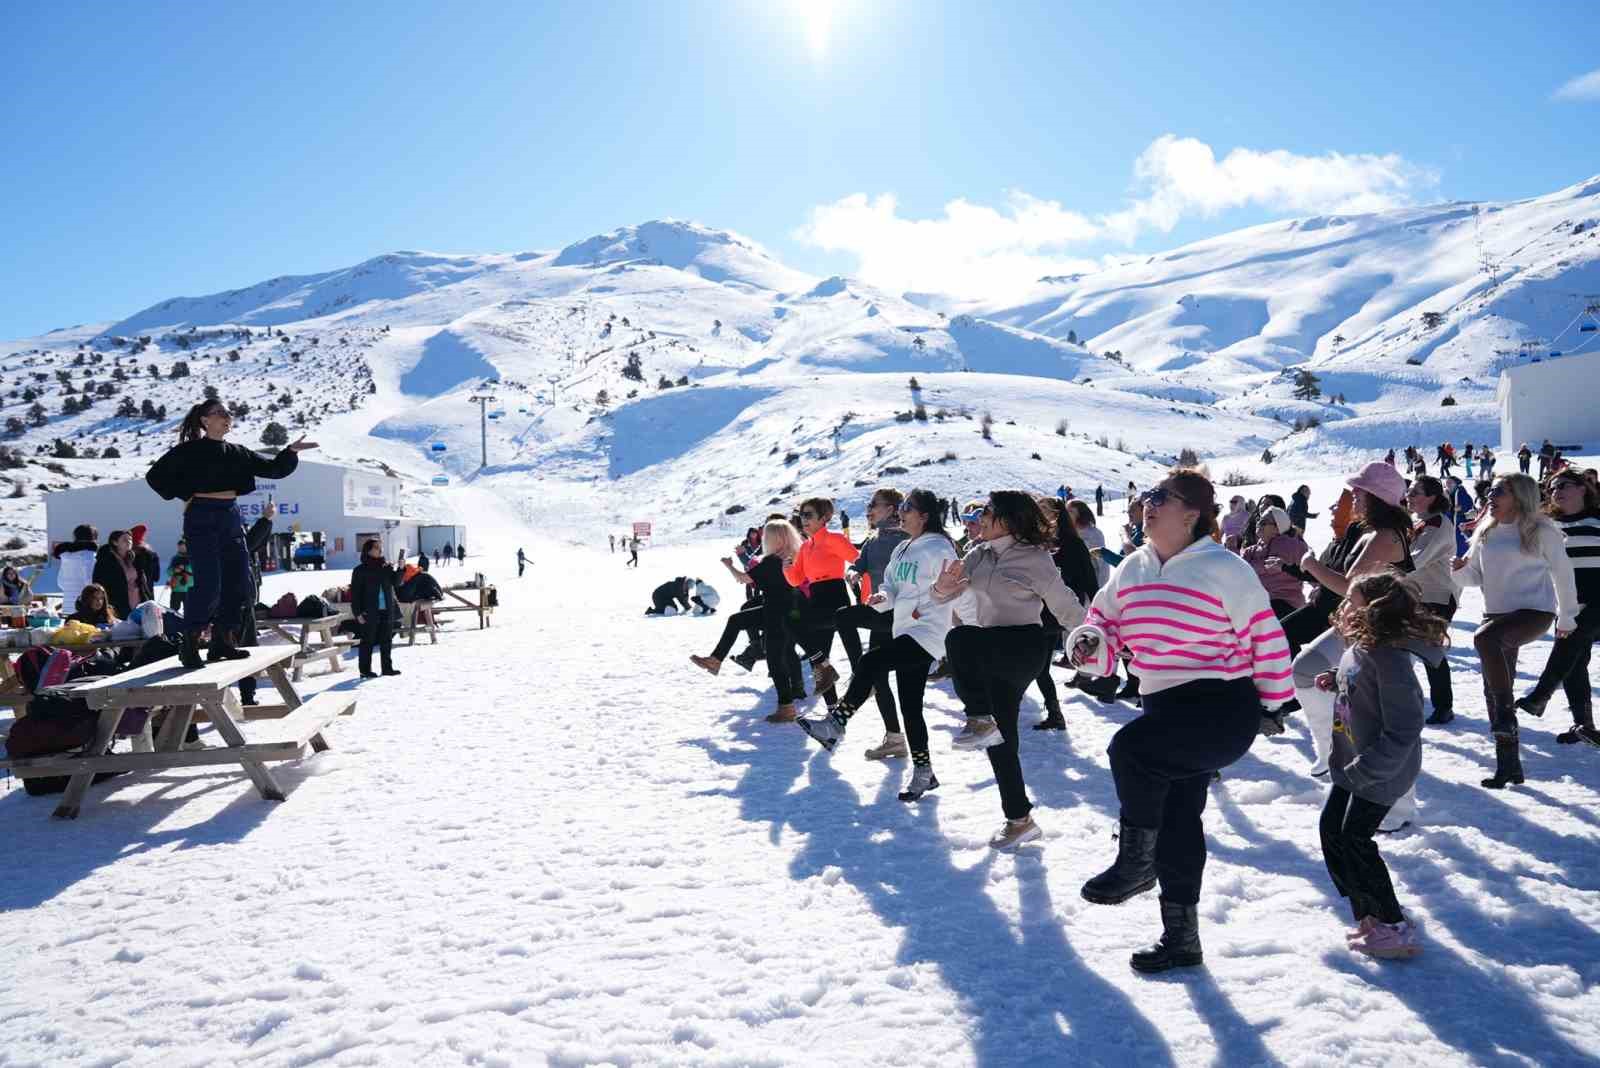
x=1569, y=326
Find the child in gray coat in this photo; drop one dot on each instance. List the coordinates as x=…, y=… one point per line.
x=1377, y=748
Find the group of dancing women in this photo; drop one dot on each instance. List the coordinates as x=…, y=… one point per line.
x=1214, y=654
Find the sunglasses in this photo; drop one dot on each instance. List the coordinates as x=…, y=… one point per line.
x=808, y=514
x=1157, y=497
x=1498, y=491
x=907, y=506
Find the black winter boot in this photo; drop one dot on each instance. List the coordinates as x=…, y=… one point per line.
x=1103, y=689
x=1507, y=764
x=747, y=659
x=1133, y=872
x=1502, y=715
x=1532, y=704
x=1582, y=729
x=1179, y=946
x=189, y=650
x=222, y=647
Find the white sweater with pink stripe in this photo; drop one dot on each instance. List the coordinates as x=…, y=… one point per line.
x=1201, y=615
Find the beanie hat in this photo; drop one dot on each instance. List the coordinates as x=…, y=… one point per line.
x=138, y=532
x=1382, y=481
x=1278, y=517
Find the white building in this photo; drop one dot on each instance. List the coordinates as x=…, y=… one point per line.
x=1554, y=398
x=347, y=505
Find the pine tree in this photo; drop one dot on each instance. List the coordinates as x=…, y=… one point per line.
x=1307, y=386
x=274, y=434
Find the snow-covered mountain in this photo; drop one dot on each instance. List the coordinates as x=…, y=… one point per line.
x=678, y=362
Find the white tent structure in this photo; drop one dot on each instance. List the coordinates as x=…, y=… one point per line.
x=1553, y=399
x=347, y=504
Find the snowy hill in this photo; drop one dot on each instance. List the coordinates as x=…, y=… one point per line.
x=585, y=349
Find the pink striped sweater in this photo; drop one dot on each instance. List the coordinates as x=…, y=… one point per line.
x=1202, y=615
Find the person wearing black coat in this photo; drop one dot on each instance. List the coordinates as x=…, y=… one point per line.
x=115, y=569
x=376, y=605
x=1072, y=559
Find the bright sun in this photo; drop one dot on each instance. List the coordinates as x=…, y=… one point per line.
x=816, y=17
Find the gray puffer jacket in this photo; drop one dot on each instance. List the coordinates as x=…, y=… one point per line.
x=877, y=549
x=1377, y=726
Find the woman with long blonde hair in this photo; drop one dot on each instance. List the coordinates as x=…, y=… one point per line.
x=779, y=542
x=1518, y=558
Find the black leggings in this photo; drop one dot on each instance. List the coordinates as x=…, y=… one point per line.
x=783, y=666
x=910, y=663
x=815, y=628
x=880, y=628
x=1305, y=625
x=1163, y=762
x=1568, y=666
x=749, y=619
x=1347, y=826
x=1046, y=684
x=991, y=668
x=1439, y=692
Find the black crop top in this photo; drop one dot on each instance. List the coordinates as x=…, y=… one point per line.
x=207, y=466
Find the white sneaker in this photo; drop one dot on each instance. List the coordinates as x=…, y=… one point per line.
x=893, y=745
x=922, y=780
x=980, y=733
x=1016, y=833
x=826, y=731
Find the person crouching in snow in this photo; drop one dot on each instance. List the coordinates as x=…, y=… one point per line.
x=1377, y=748
x=679, y=595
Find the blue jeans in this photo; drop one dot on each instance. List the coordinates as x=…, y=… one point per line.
x=221, y=562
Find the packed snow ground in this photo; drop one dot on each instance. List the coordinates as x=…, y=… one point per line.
x=557, y=842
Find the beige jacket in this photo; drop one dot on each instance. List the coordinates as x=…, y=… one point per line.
x=1008, y=583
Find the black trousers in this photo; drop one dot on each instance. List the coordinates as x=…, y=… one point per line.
x=1163, y=762
x=1046, y=684
x=880, y=628
x=1305, y=625
x=378, y=631
x=748, y=619
x=910, y=663
x=991, y=668
x=783, y=664
x=815, y=628
x=1439, y=691
x=1568, y=666
x=1347, y=826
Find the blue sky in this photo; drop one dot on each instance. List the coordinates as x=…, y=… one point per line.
x=178, y=149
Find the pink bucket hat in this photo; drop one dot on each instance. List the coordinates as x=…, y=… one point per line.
x=1382, y=481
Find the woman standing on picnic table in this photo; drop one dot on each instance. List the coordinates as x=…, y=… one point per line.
x=209, y=474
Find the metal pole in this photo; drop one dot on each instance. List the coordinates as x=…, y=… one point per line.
x=483, y=433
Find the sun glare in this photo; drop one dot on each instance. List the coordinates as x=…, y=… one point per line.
x=816, y=19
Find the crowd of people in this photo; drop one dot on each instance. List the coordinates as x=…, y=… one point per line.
x=1219, y=623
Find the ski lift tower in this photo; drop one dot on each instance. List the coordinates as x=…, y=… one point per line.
x=483, y=400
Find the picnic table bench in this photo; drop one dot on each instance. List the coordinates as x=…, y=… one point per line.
x=470, y=596
x=323, y=628
x=185, y=694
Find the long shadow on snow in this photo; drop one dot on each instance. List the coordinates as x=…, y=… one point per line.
x=1445, y=990
x=1013, y=982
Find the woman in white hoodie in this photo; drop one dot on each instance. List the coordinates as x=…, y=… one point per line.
x=1519, y=559
x=919, y=629
x=77, y=563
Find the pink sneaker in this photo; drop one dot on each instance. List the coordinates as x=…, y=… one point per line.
x=1390, y=941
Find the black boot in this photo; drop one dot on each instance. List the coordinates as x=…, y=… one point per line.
x=1053, y=721
x=1441, y=716
x=189, y=650
x=1179, y=946
x=222, y=647
x=1133, y=872
x=1582, y=729
x=1533, y=704
x=1502, y=715
x=1507, y=764
x=748, y=658
x=1105, y=689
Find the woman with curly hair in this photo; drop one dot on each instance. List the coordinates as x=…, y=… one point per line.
x=1377, y=748
x=1519, y=559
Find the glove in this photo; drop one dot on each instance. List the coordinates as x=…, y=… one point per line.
x=1271, y=723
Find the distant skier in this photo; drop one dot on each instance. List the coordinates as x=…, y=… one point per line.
x=612, y=538
x=522, y=562
x=1100, y=500
x=633, y=552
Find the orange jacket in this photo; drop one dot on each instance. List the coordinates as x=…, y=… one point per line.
x=822, y=557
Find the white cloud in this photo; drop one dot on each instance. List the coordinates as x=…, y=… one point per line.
x=1583, y=87
x=977, y=249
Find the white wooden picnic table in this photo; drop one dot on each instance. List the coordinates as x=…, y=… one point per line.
x=185, y=693
x=323, y=628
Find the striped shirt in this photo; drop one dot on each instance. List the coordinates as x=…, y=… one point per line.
x=1582, y=534
x=1201, y=615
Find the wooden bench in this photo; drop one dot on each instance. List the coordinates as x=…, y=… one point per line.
x=328, y=645
x=471, y=596
x=208, y=690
